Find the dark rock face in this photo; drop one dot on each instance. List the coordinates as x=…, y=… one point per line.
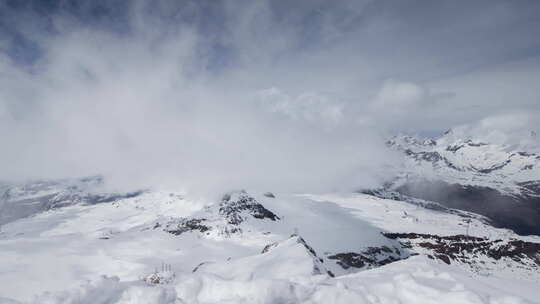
x=432, y=157
x=232, y=210
x=468, y=249
x=412, y=235
x=269, y=247
x=187, y=225
x=200, y=265
x=493, y=168
x=349, y=259
x=521, y=213
x=308, y=248
x=372, y=257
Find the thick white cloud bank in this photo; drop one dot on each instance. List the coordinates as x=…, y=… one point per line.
x=131, y=110
x=222, y=96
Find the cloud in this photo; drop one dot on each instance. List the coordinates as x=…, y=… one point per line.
x=143, y=110
x=517, y=129
x=400, y=94
x=260, y=94
x=313, y=107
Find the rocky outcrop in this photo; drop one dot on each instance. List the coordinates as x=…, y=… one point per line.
x=370, y=258
x=318, y=262
x=471, y=250
x=225, y=217
x=236, y=208
x=187, y=225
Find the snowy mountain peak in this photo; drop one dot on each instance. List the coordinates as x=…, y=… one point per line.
x=468, y=161
x=291, y=257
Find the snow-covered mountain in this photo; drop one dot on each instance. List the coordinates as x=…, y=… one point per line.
x=249, y=247
x=25, y=199
x=501, y=181
x=506, y=168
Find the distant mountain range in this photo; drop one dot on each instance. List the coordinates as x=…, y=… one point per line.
x=499, y=181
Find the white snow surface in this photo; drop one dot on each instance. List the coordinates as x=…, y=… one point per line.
x=102, y=253
x=416, y=280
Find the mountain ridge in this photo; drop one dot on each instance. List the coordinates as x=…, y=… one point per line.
x=499, y=181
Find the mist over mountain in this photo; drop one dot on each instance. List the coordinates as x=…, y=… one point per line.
x=202, y=151
x=205, y=95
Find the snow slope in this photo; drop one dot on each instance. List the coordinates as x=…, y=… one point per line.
x=252, y=248
x=416, y=280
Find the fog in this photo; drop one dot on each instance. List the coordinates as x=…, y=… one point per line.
x=213, y=96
